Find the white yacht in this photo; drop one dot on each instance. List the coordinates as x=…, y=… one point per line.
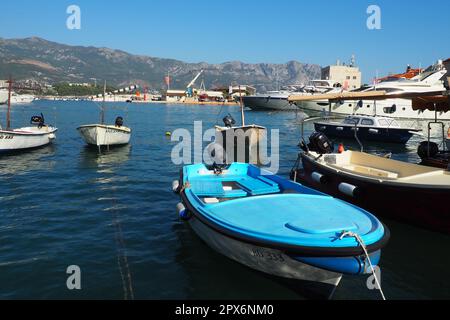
x=430, y=80
x=278, y=100
x=22, y=98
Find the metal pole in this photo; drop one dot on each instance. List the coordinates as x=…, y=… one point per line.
x=8, y=113
x=103, y=105
x=242, y=107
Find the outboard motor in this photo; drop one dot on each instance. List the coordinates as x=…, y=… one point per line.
x=319, y=142
x=427, y=149
x=119, y=122
x=229, y=121
x=38, y=120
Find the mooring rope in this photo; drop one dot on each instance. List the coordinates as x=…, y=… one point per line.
x=363, y=246
x=122, y=259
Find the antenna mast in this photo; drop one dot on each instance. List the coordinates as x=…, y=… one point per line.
x=8, y=113
x=102, y=120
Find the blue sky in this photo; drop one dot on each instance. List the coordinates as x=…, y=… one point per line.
x=276, y=31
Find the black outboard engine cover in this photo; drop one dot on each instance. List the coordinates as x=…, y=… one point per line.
x=39, y=120
x=426, y=148
x=119, y=122
x=318, y=142
x=229, y=121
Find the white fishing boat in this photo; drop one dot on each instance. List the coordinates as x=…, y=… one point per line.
x=104, y=135
x=37, y=135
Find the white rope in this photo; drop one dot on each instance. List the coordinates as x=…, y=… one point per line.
x=363, y=246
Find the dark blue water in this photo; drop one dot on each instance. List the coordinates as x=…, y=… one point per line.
x=114, y=216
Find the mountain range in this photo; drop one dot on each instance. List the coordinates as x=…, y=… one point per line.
x=50, y=62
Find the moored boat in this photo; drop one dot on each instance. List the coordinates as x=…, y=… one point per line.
x=402, y=191
x=26, y=138
x=279, y=227
x=104, y=135
x=31, y=137
x=369, y=128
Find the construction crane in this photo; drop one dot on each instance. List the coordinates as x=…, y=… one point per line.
x=189, y=91
x=195, y=79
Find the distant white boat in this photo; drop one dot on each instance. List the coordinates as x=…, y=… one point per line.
x=278, y=100
x=22, y=98
x=103, y=135
x=3, y=96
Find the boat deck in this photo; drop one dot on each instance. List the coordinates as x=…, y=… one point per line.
x=263, y=207
x=387, y=170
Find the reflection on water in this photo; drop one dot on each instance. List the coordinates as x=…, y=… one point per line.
x=91, y=157
x=23, y=161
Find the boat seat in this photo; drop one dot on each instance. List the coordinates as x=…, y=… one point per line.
x=258, y=186
x=214, y=188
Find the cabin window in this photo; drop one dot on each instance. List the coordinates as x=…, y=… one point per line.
x=367, y=122
x=383, y=122
x=352, y=121
x=390, y=109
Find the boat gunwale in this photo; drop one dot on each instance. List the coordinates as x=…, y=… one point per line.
x=105, y=126
x=28, y=133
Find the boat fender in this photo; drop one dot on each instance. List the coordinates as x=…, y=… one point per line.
x=183, y=213
x=348, y=189
x=373, y=130
x=317, y=177
x=176, y=186
x=51, y=136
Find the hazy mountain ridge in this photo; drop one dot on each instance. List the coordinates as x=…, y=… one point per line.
x=52, y=62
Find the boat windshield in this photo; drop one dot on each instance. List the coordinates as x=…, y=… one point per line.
x=351, y=120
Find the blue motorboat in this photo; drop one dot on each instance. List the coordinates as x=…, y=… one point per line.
x=277, y=226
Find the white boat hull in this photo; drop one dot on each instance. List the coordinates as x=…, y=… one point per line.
x=270, y=261
x=26, y=138
x=403, y=109
x=105, y=135
x=268, y=103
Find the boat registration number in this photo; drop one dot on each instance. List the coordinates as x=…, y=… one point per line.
x=266, y=255
x=5, y=137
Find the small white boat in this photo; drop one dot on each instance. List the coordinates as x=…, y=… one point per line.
x=37, y=135
x=26, y=138
x=103, y=134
